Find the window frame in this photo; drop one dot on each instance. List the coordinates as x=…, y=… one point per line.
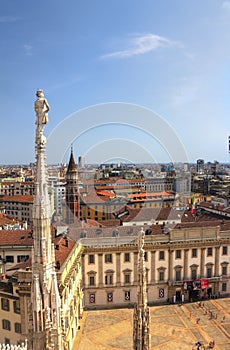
x=17, y=327
x=91, y=259
x=6, y=324
x=108, y=258
x=209, y=251
x=5, y=304
x=127, y=257
x=17, y=308
x=194, y=252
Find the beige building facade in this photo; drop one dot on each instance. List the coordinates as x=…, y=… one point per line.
x=187, y=264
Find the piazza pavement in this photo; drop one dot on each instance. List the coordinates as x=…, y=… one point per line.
x=172, y=327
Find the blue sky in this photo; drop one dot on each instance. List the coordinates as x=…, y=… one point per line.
x=169, y=56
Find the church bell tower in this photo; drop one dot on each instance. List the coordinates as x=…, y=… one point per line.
x=72, y=191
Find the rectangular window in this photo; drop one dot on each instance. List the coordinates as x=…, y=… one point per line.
x=6, y=325
x=108, y=279
x=178, y=275
x=110, y=297
x=9, y=258
x=91, y=281
x=22, y=258
x=178, y=254
x=5, y=304
x=17, y=306
x=92, y=298
x=224, y=270
x=209, y=272
x=91, y=259
x=127, y=257
x=209, y=252
x=127, y=278
x=161, y=255
x=225, y=250
x=224, y=287
x=161, y=276
x=17, y=327
x=108, y=258
x=146, y=256
x=194, y=253
x=127, y=295
x=194, y=274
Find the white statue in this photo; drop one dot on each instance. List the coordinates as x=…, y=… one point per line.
x=41, y=108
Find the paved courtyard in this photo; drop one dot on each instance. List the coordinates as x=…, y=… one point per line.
x=172, y=327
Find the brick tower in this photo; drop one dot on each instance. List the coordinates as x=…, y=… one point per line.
x=72, y=191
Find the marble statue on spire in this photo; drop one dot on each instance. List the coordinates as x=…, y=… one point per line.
x=41, y=108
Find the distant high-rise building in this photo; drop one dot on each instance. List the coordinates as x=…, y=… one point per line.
x=200, y=166
x=81, y=162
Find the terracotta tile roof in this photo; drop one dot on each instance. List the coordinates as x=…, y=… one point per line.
x=77, y=233
x=151, y=194
x=109, y=223
x=65, y=246
x=91, y=223
x=112, y=181
x=23, y=265
x=6, y=220
x=16, y=237
x=18, y=198
x=209, y=205
x=147, y=214
x=106, y=193
x=91, y=196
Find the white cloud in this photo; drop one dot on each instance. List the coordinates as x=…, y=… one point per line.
x=28, y=49
x=141, y=44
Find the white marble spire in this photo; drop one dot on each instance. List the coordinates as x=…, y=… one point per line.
x=141, y=317
x=44, y=292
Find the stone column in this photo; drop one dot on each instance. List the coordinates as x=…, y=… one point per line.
x=170, y=264
x=118, y=268
x=217, y=261
x=83, y=269
x=186, y=263
x=153, y=266
x=202, y=260
x=135, y=263
x=100, y=270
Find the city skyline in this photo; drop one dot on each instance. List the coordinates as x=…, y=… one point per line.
x=171, y=58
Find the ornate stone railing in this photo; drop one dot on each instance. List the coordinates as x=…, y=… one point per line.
x=23, y=346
